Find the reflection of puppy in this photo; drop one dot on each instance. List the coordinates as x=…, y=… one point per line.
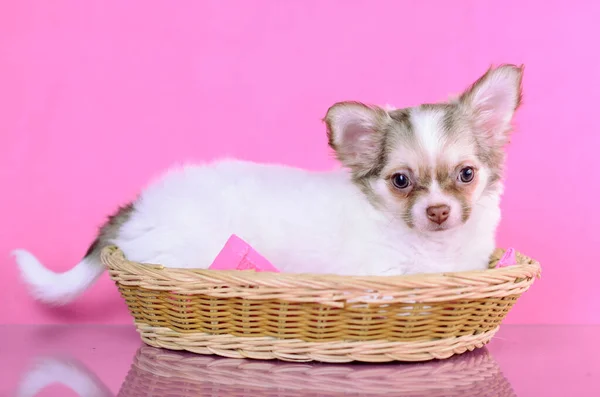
x=67, y=372
x=420, y=193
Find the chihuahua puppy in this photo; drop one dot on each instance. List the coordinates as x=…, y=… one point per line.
x=419, y=192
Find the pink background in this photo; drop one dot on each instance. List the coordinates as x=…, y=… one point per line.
x=97, y=97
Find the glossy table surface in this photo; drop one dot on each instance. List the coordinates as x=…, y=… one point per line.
x=108, y=360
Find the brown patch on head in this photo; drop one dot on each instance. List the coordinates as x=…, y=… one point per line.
x=110, y=230
x=442, y=106
x=401, y=131
x=401, y=116
x=453, y=121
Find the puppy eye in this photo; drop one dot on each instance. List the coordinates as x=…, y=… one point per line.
x=466, y=175
x=400, y=181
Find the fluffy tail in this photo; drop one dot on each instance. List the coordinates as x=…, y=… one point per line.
x=57, y=288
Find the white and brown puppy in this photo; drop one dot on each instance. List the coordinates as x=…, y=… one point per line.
x=419, y=192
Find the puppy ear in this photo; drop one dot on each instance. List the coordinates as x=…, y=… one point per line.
x=491, y=102
x=356, y=133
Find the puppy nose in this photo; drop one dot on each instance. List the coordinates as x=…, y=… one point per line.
x=438, y=213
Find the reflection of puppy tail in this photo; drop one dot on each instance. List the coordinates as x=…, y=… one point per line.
x=67, y=372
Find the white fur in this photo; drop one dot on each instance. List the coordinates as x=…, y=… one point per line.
x=56, y=288
x=428, y=127
x=301, y=221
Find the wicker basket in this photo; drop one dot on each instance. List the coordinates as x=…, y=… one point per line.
x=156, y=372
x=302, y=317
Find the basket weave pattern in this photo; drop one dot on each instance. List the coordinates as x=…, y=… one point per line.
x=300, y=317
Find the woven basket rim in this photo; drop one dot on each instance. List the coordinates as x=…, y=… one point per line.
x=318, y=317
x=114, y=259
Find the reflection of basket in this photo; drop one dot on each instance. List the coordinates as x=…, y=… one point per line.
x=300, y=317
x=157, y=373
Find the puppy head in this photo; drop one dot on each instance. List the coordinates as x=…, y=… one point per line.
x=429, y=165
